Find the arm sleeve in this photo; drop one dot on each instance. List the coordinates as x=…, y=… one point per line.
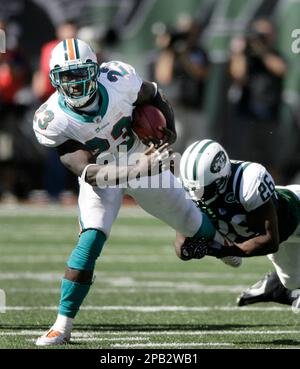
x=256, y=186
x=123, y=78
x=49, y=128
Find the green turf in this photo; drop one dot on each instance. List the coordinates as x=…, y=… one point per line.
x=138, y=271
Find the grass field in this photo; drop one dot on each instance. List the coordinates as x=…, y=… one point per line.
x=143, y=296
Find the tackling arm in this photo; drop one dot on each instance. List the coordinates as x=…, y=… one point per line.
x=149, y=94
x=264, y=221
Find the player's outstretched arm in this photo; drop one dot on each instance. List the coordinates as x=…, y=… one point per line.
x=264, y=221
x=75, y=157
x=150, y=94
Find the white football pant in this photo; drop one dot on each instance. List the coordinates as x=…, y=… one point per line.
x=287, y=259
x=99, y=207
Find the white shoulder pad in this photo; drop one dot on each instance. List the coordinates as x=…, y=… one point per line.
x=49, y=124
x=253, y=185
x=122, y=77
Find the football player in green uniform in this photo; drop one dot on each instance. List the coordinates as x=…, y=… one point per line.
x=253, y=215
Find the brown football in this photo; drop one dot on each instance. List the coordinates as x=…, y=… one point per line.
x=146, y=120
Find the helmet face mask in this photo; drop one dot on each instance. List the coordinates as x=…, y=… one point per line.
x=214, y=189
x=76, y=83
x=205, y=169
x=74, y=77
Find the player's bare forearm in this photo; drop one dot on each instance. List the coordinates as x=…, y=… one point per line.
x=260, y=245
x=253, y=247
x=263, y=221
x=112, y=174
x=76, y=159
x=75, y=156
x=257, y=246
x=149, y=95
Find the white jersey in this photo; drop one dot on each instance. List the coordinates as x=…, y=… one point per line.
x=249, y=187
x=252, y=184
x=55, y=123
x=118, y=84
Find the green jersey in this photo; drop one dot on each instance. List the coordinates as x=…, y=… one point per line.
x=249, y=187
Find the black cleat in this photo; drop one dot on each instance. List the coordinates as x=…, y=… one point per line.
x=268, y=289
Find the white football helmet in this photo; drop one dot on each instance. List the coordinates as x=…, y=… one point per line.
x=74, y=71
x=205, y=169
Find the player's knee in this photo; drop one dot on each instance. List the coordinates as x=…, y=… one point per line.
x=87, y=250
x=79, y=276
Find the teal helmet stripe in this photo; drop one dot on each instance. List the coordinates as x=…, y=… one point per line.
x=76, y=48
x=65, y=49
x=186, y=161
x=201, y=151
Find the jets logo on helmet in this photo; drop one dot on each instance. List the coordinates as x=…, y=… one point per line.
x=205, y=168
x=218, y=162
x=74, y=71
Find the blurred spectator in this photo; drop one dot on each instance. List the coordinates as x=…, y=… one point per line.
x=14, y=75
x=181, y=69
x=257, y=72
x=41, y=84
x=93, y=37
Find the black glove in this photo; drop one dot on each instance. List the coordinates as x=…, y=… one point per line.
x=169, y=135
x=194, y=248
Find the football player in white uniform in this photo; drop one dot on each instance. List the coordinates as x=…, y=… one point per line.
x=90, y=115
x=253, y=214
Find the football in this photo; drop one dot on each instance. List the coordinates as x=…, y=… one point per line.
x=146, y=120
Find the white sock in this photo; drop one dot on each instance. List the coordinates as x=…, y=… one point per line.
x=63, y=324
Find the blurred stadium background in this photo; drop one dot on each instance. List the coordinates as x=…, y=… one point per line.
x=191, y=49
x=142, y=33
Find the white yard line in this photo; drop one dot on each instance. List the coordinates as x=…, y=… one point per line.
x=145, y=344
x=172, y=344
x=105, y=259
x=155, y=309
x=63, y=211
x=138, y=287
x=137, y=334
x=101, y=339
x=54, y=276
x=154, y=233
